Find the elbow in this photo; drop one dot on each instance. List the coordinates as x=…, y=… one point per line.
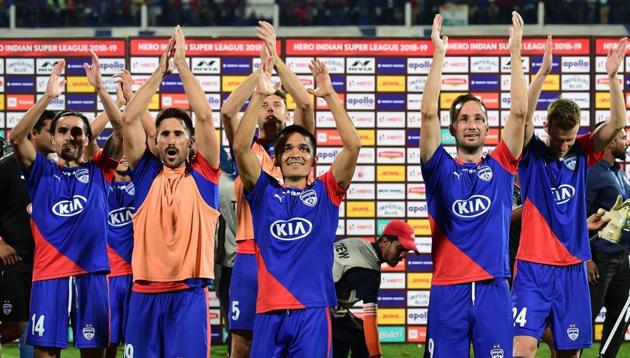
x=519, y=112
x=127, y=117
x=305, y=104
x=227, y=111
x=204, y=117
x=426, y=112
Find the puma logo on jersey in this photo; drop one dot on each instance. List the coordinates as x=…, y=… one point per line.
x=563, y=194
x=70, y=207
x=472, y=207
x=457, y=174
x=290, y=230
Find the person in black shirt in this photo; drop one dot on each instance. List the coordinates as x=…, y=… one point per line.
x=16, y=240
x=609, y=271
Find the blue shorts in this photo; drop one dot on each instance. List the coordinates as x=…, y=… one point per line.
x=553, y=295
x=119, y=294
x=243, y=292
x=169, y=324
x=303, y=333
x=478, y=312
x=83, y=299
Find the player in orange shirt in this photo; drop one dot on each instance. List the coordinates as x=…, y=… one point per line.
x=176, y=199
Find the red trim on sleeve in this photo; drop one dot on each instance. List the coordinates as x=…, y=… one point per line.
x=587, y=143
x=335, y=192
x=106, y=164
x=203, y=167
x=505, y=157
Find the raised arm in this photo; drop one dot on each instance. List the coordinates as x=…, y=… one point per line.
x=135, y=137
x=205, y=135
x=607, y=132
x=24, y=150
x=346, y=160
x=533, y=93
x=514, y=128
x=303, y=102
x=430, y=136
x=246, y=161
x=233, y=104
x=113, y=146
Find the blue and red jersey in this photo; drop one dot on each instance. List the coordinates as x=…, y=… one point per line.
x=554, y=203
x=69, y=216
x=120, y=226
x=294, y=231
x=469, y=210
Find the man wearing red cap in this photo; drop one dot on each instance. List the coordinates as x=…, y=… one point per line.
x=357, y=275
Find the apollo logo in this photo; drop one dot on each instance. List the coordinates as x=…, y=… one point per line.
x=563, y=194
x=472, y=207
x=121, y=216
x=71, y=207
x=290, y=230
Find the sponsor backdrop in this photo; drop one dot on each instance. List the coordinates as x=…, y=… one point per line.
x=381, y=83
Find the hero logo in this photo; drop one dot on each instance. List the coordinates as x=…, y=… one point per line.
x=418, y=65
x=472, y=207
x=71, y=207
x=290, y=230
x=360, y=65
x=563, y=194
x=121, y=217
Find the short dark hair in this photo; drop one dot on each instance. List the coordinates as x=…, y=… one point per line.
x=284, y=134
x=46, y=115
x=178, y=113
x=563, y=113
x=61, y=114
x=459, y=102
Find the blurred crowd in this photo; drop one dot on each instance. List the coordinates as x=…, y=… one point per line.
x=95, y=13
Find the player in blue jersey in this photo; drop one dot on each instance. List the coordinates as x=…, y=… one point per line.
x=68, y=197
x=294, y=227
x=469, y=201
x=272, y=117
x=550, y=284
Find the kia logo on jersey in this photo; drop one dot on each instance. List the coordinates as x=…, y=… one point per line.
x=290, y=230
x=121, y=216
x=70, y=207
x=472, y=207
x=563, y=193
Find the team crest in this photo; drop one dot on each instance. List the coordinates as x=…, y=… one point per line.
x=309, y=198
x=7, y=307
x=570, y=161
x=130, y=189
x=573, y=332
x=88, y=332
x=496, y=352
x=485, y=173
x=82, y=175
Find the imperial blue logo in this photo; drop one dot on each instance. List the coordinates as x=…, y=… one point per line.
x=290, y=230
x=120, y=217
x=563, y=194
x=472, y=207
x=72, y=207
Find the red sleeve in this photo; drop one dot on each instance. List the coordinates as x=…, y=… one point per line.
x=335, y=192
x=106, y=164
x=370, y=329
x=506, y=159
x=587, y=143
x=201, y=165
